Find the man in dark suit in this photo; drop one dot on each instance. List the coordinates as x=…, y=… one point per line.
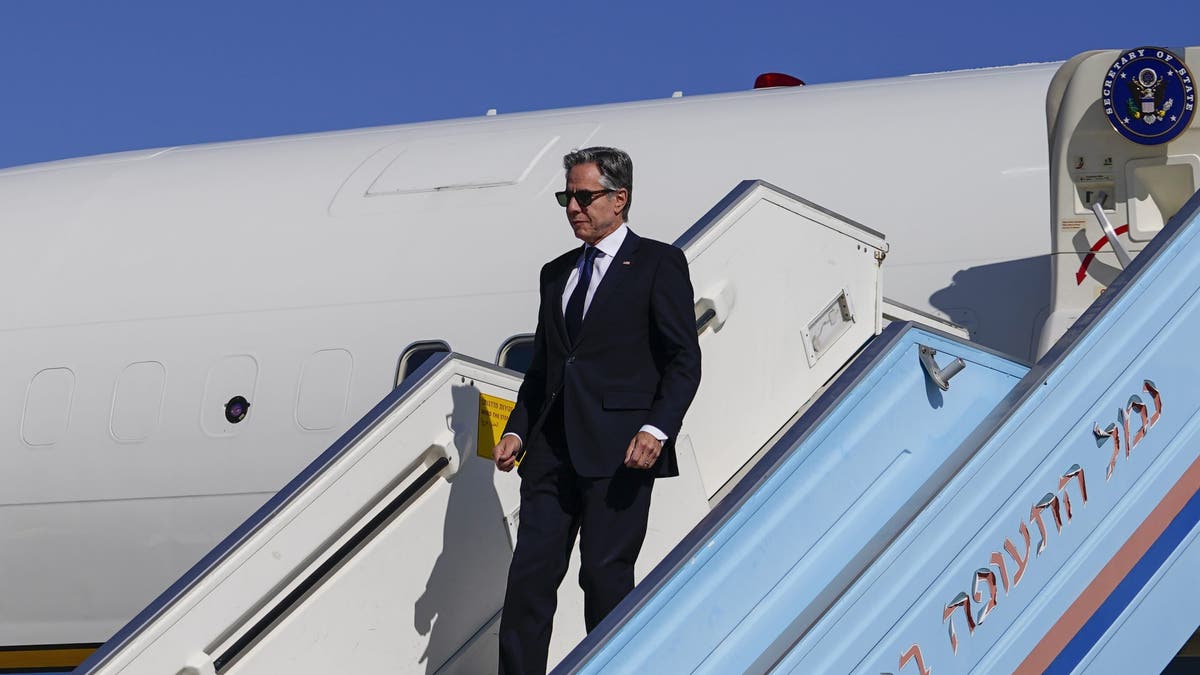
x=615, y=366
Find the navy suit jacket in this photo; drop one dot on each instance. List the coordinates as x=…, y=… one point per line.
x=635, y=361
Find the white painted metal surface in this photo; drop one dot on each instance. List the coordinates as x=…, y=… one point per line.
x=421, y=593
x=770, y=268
x=365, y=241
x=895, y=311
x=432, y=576
x=1138, y=187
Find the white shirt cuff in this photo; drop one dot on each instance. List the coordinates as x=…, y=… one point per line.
x=518, y=438
x=655, y=432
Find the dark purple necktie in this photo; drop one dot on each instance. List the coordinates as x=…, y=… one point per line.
x=574, y=313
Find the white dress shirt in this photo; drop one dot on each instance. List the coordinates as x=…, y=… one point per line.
x=608, y=248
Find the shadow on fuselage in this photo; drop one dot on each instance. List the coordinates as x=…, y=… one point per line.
x=1002, y=304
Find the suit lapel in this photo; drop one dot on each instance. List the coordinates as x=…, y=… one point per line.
x=618, y=270
x=560, y=284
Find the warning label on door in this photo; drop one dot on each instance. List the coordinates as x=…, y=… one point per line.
x=493, y=415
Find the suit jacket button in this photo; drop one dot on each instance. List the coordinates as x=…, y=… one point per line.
x=570, y=359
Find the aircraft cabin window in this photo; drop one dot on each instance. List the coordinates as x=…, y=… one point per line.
x=324, y=389
x=48, y=406
x=516, y=353
x=416, y=354
x=137, y=401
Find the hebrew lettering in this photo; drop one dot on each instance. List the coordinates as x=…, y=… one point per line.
x=1022, y=562
x=998, y=561
x=913, y=653
x=1153, y=391
x=1135, y=406
x=988, y=578
x=960, y=600
x=1075, y=472
x=1049, y=501
x=1110, y=431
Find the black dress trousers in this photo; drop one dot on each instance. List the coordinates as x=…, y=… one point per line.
x=608, y=514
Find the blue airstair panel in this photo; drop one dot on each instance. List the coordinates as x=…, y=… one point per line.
x=1062, y=537
x=851, y=470
x=1094, y=464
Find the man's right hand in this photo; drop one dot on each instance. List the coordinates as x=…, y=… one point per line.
x=505, y=452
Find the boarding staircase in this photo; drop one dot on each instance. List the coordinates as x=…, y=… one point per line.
x=937, y=506
x=389, y=552
x=1057, y=532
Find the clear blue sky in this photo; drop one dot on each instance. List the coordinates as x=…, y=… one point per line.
x=81, y=77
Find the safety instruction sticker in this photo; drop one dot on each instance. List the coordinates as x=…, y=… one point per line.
x=493, y=415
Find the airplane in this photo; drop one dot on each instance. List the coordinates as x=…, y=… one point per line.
x=188, y=326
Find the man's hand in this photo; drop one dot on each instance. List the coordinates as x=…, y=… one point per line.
x=643, y=451
x=505, y=452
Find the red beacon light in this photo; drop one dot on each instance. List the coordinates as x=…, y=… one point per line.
x=777, y=80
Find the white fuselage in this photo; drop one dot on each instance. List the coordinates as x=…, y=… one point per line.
x=147, y=288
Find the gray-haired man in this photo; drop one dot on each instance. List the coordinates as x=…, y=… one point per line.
x=615, y=366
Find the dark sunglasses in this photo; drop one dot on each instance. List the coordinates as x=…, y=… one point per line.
x=584, y=197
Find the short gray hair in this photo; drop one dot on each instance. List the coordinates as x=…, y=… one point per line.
x=616, y=169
